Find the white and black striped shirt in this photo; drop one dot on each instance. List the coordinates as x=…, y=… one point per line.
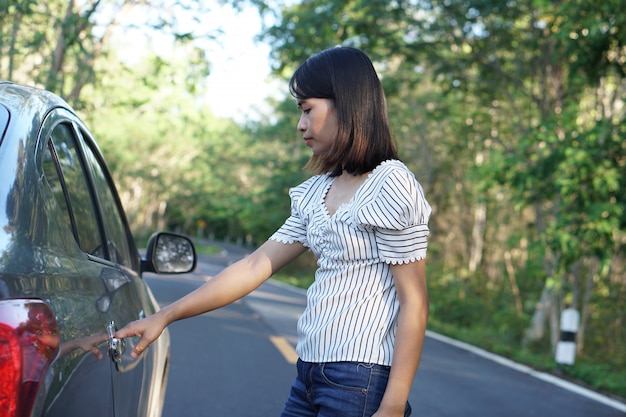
x=352, y=306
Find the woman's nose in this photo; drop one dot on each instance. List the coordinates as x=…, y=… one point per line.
x=301, y=124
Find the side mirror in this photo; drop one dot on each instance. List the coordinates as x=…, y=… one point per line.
x=169, y=253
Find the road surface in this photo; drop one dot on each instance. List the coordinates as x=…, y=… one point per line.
x=238, y=362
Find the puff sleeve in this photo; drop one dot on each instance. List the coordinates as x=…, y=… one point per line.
x=395, y=207
x=295, y=227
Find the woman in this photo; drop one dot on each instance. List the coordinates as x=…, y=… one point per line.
x=365, y=217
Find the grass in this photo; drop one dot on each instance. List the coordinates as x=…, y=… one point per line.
x=202, y=249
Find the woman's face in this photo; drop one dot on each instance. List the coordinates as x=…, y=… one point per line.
x=318, y=123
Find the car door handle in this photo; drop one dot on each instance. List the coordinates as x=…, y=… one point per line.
x=116, y=346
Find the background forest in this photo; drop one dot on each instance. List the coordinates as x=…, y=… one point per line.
x=510, y=113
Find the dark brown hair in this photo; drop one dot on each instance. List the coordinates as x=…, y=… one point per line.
x=347, y=76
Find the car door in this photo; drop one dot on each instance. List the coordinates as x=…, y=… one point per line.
x=109, y=254
x=128, y=299
x=82, y=372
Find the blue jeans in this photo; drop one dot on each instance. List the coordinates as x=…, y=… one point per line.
x=337, y=389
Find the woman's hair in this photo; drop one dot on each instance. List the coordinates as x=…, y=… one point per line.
x=346, y=76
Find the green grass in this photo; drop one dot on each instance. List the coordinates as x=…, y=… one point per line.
x=300, y=273
x=203, y=249
x=607, y=378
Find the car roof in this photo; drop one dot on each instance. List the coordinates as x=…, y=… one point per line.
x=27, y=106
x=16, y=96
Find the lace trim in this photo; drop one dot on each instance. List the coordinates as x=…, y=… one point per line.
x=285, y=241
x=379, y=166
x=322, y=202
x=348, y=205
x=404, y=261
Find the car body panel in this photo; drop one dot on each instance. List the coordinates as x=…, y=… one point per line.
x=41, y=257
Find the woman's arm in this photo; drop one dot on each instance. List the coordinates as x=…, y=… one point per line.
x=410, y=281
x=234, y=282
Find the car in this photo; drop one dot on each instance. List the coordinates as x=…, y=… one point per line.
x=71, y=272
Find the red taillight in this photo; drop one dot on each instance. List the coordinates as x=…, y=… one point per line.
x=29, y=342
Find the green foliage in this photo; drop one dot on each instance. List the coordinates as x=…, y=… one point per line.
x=511, y=114
x=510, y=109
x=605, y=377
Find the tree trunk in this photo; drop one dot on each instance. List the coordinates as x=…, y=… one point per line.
x=478, y=237
x=513, y=280
x=542, y=313
x=586, y=306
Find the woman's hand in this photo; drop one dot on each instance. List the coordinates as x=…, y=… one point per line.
x=232, y=283
x=148, y=329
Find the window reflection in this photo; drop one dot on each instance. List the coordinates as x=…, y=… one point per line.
x=173, y=253
x=117, y=238
x=67, y=180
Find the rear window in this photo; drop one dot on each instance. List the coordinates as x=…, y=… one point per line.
x=71, y=183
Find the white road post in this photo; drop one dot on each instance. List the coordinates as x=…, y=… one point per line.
x=566, y=347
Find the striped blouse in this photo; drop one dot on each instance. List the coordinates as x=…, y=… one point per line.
x=352, y=306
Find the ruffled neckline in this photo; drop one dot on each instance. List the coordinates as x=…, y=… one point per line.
x=330, y=180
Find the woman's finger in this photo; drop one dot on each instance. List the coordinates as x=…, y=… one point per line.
x=145, y=329
x=133, y=328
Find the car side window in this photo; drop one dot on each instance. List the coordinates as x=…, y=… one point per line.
x=70, y=186
x=112, y=216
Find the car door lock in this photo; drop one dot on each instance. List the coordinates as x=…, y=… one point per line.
x=116, y=346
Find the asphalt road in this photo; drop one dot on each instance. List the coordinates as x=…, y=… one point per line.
x=238, y=362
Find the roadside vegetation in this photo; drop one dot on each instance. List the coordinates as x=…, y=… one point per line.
x=511, y=114
x=483, y=325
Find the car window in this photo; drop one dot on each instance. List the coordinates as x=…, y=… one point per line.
x=68, y=182
x=51, y=172
x=115, y=229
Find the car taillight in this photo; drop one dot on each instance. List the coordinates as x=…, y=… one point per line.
x=29, y=342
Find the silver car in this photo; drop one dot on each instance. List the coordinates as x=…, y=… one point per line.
x=70, y=272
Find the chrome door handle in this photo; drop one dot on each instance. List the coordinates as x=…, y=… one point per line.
x=116, y=346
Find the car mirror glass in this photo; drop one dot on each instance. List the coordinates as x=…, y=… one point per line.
x=173, y=254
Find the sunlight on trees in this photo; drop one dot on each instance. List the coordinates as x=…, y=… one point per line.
x=511, y=114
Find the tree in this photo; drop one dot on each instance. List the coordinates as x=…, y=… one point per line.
x=528, y=98
x=57, y=44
